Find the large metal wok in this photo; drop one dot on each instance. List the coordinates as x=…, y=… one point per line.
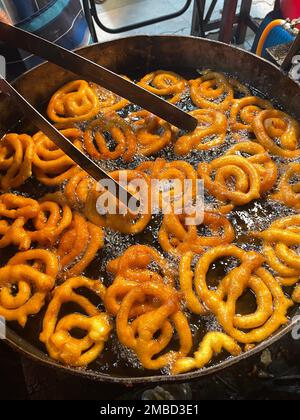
x=137, y=55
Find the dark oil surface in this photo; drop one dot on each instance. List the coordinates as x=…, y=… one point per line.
x=116, y=359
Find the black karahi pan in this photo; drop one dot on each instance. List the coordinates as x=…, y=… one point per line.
x=139, y=55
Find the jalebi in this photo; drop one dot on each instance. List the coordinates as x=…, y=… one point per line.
x=79, y=245
x=278, y=133
x=31, y=288
x=110, y=129
x=272, y=304
x=152, y=133
x=212, y=344
x=289, y=191
x=165, y=83
x=16, y=156
x=212, y=91
x=244, y=111
x=231, y=179
x=175, y=237
x=51, y=165
x=210, y=132
x=168, y=173
x=280, y=241
x=57, y=334
x=261, y=160
x=73, y=103
x=140, y=335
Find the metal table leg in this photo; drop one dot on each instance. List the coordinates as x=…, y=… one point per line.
x=198, y=18
x=243, y=21
x=228, y=20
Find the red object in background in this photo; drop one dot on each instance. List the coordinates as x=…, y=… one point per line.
x=290, y=9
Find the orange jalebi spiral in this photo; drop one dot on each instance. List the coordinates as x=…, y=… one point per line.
x=175, y=237
x=278, y=133
x=235, y=180
x=289, y=192
x=130, y=223
x=77, y=189
x=15, y=206
x=18, y=210
x=148, y=335
x=210, y=132
x=167, y=174
x=125, y=222
x=52, y=166
x=152, y=133
x=57, y=334
x=51, y=221
x=134, y=267
x=261, y=160
x=280, y=241
x=212, y=91
x=79, y=245
x=244, y=111
x=97, y=144
x=40, y=259
x=212, y=344
x=135, y=262
x=16, y=156
x=272, y=304
x=165, y=83
x=108, y=100
x=73, y=103
x=32, y=288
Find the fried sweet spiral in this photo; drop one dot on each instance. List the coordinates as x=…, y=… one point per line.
x=77, y=189
x=52, y=166
x=160, y=170
x=212, y=91
x=40, y=259
x=278, y=133
x=134, y=267
x=279, y=243
x=244, y=111
x=140, y=335
x=79, y=245
x=18, y=210
x=15, y=206
x=165, y=83
x=289, y=192
x=265, y=166
x=102, y=130
x=212, y=344
x=231, y=179
x=73, y=103
x=51, y=221
x=129, y=223
x=32, y=288
x=210, y=132
x=57, y=334
x=175, y=237
x=152, y=133
x=16, y=156
x=272, y=304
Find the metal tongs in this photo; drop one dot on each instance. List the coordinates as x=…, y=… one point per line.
x=66, y=145
x=95, y=73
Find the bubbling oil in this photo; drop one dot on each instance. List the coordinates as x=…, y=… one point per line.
x=117, y=360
